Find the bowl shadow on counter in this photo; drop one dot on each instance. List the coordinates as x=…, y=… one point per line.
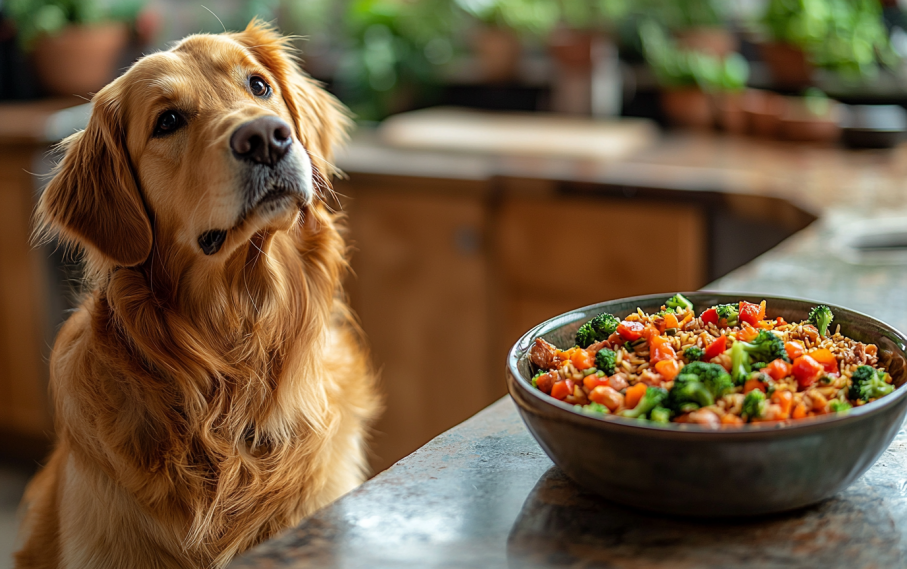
x=560, y=525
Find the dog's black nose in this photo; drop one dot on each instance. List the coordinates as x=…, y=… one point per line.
x=264, y=140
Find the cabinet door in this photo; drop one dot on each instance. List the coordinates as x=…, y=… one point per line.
x=420, y=288
x=23, y=371
x=555, y=253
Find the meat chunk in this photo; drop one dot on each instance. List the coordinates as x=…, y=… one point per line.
x=867, y=355
x=542, y=354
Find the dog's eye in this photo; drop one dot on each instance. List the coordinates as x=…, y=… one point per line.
x=168, y=122
x=259, y=87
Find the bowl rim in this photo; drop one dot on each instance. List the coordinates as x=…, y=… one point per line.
x=521, y=349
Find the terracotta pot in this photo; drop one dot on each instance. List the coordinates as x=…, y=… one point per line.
x=799, y=124
x=788, y=65
x=80, y=59
x=688, y=107
x=716, y=41
x=729, y=108
x=498, y=51
x=763, y=110
x=571, y=48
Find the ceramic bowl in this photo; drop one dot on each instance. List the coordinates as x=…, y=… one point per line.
x=688, y=470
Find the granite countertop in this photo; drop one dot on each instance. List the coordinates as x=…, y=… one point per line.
x=484, y=495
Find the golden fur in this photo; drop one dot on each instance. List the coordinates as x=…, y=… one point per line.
x=202, y=402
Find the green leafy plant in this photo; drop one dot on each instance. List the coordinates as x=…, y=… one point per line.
x=846, y=36
x=676, y=68
x=34, y=18
x=539, y=17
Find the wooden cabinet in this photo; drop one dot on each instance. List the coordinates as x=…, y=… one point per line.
x=448, y=274
x=420, y=288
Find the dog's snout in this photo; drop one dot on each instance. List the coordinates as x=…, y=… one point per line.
x=264, y=140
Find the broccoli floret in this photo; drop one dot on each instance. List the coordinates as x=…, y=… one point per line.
x=713, y=376
x=660, y=415
x=729, y=313
x=593, y=409
x=653, y=398
x=596, y=330
x=754, y=405
x=765, y=347
x=693, y=354
x=688, y=394
x=868, y=383
x=838, y=406
x=821, y=317
x=679, y=301
x=605, y=361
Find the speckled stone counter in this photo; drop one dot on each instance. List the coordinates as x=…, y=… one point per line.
x=484, y=495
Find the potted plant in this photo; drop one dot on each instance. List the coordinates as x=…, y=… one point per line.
x=75, y=44
x=848, y=38
x=695, y=85
x=696, y=25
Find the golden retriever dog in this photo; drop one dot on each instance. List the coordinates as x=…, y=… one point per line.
x=212, y=388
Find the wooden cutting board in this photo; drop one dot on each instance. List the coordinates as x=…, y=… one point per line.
x=536, y=134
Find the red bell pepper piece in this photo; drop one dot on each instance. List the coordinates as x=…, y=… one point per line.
x=630, y=330
x=751, y=313
x=806, y=371
x=717, y=347
x=710, y=316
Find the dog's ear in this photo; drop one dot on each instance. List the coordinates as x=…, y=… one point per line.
x=321, y=121
x=93, y=199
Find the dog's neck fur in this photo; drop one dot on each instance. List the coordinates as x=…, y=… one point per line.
x=223, y=370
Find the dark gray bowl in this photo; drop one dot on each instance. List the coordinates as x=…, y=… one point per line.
x=688, y=470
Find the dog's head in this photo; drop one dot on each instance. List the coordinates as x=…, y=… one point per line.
x=203, y=146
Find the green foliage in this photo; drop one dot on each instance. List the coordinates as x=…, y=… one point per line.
x=34, y=18
x=868, y=383
x=539, y=17
x=674, y=67
x=847, y=36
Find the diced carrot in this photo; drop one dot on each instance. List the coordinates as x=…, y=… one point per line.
x=668, y=368
x=794, y=349
x=826, y=358
x=546, y=381
x=660, y=349
x=583, y=359
x=752, y=384
x=592, y=381
x=634, y=394
x=784, y=399
x=687, y=317
x=799, y=411
x=729, y=419
x=778, y=369
x=560, y=390
x=747, y=333
x=671, y=321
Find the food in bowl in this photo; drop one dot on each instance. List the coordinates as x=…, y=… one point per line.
x=728, y=366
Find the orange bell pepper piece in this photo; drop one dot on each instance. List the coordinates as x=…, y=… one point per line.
x=794, y=349
x=752, y=384
x=668, y=368
x=784, y=399
x=671, y=321
x=634, y=394
x=778, y=369
x=826, y=358
x=582, y=359
x=560, y=390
